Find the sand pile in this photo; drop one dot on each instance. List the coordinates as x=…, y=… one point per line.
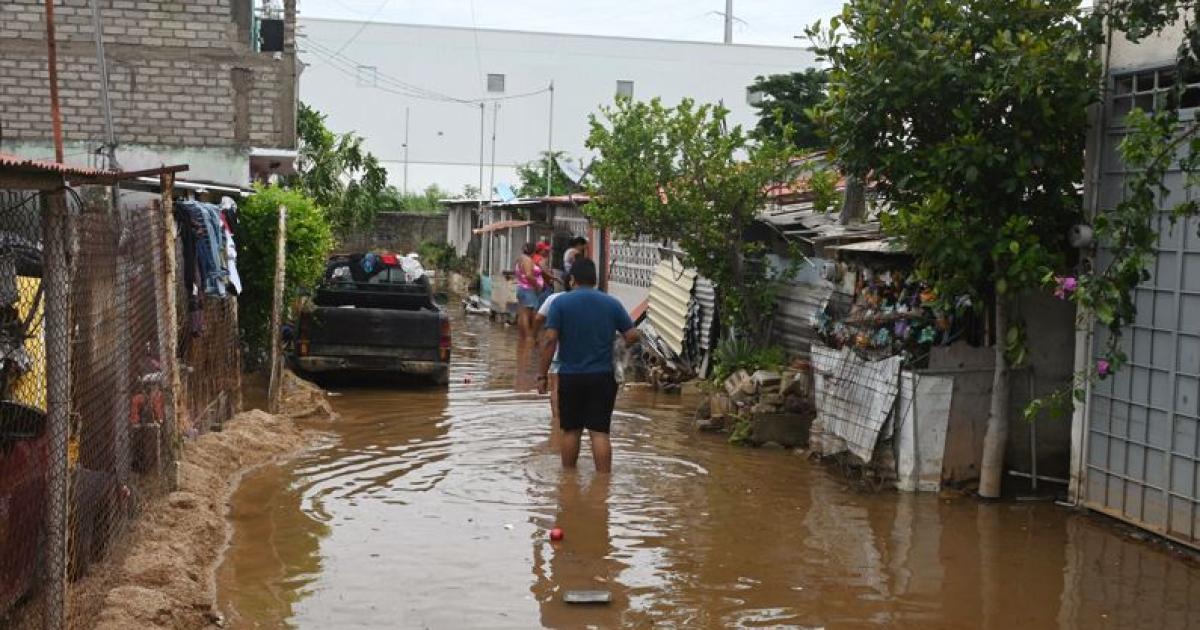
x=166, y=580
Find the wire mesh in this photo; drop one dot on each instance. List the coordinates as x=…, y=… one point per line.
x=88, y=385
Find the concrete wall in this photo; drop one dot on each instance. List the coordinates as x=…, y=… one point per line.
x=182, y=76
x=444, y=137
x=399, y=232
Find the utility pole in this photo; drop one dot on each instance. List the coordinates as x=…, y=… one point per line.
x=550, y=143
x=728, y=21
x=52, y=58
x=405, y=147
x=110, y=145
x=492, y=179
x=482, y=143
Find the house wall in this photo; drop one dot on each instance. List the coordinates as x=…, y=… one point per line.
x=184, y=81
x=444, y=137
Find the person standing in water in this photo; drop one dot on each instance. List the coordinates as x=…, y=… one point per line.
x=580, y=326
x=530, y=284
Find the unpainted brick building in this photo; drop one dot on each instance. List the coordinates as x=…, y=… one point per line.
x=190, y=81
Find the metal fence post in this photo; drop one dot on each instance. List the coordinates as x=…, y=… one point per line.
x=274, y=393
x=56, y=279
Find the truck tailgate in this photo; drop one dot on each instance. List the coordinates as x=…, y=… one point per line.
x=374, y=327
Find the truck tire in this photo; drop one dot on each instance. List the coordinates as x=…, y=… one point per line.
x=441, y=378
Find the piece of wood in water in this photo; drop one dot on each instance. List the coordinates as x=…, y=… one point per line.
x=587, y=597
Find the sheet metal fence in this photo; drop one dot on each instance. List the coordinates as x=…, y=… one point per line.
x=91, y=324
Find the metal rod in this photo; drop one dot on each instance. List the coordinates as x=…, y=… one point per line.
x=110, y=145
x=482, y=144
x=1025, y=475
x=52, y=62
x=550, y=144
x=55, y=279
x=405, y=150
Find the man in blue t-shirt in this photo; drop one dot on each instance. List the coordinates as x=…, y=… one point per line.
x=581, y=326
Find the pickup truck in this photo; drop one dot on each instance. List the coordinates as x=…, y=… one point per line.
x=372, y=318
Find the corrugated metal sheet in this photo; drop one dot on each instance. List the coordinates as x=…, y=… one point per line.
x=706, y=295
x=797, y=306
x=670, y=294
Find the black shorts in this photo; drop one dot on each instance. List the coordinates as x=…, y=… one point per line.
x=585, y=401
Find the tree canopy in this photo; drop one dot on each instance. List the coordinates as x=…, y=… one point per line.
x=788, y=100
x=532, y=177
x=682, y=174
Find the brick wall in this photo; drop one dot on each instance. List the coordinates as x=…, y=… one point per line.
x=173, y=74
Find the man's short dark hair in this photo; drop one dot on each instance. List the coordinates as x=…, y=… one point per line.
x=577, y=241
x=583, y=270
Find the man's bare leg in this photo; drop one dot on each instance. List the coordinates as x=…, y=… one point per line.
x=570, y=447
x=555, y=425
x=601, y=451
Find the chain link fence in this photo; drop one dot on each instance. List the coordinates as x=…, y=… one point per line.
x=107, y=364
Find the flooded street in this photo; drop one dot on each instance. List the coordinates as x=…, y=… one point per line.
x=430, y=508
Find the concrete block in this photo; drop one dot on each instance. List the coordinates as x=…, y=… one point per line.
x=789, y=430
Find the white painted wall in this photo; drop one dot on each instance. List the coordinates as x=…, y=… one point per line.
x=444, y=137
x=212, y=164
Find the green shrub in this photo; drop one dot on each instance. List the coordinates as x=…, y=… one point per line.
x=443, y=257
x=735, y=354
x=309, y=241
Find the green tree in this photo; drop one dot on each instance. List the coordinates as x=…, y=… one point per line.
x=309, y=240
x=971, y=115
x=532, y=176
x=337, y=172
x=788, y=101
x=681, y=174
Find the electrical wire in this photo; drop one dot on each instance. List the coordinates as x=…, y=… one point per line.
x=350, y=67
x=370, y=20
x=478, y=55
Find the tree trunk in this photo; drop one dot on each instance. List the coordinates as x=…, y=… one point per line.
x=991, y=470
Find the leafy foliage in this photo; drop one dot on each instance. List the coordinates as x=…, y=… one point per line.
x=309, y=240
x=823, y=184
x=443, y=257
x=788, y=101
x=339, y=174
x=532, y=176
x=424, y=202
x=681, y=174
x=971, y=116
x=733, y=354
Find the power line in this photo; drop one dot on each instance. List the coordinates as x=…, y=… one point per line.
x=364, y=25
x=350, y=67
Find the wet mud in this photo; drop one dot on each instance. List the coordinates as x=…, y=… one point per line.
x=430, y=508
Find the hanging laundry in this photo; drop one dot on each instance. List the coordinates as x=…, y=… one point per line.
x=228, y=210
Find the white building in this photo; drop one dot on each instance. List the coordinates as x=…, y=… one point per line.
x=366, y=77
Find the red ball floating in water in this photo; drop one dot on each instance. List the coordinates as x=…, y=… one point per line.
x=556, y=533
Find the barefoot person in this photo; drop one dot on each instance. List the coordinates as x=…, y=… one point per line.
x=529, y=289
x=580, y=326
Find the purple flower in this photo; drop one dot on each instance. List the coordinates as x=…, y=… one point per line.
x=1103, y=367
x=1065, y=285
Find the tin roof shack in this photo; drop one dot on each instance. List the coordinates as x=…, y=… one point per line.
x=497, y=231
x=897, y=367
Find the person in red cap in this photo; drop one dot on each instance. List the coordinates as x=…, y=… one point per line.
x=541, y=258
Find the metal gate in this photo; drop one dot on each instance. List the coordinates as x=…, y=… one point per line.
x=1141, y=457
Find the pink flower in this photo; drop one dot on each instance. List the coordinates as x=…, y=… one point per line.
x=1103, y=367
x=1065, y=285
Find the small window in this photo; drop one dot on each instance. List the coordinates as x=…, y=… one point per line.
x=495, y=83
x=368, y=76
x=625, y=88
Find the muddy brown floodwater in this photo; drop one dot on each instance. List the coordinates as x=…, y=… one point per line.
x=430, y=508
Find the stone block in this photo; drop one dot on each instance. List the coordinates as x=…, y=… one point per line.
x=766, y=379
x=785, y=429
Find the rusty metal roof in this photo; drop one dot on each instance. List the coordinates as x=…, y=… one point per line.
x=502, y=225
x=28, y=165
x=17, y=164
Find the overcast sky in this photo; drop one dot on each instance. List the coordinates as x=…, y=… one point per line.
x=759, y=21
